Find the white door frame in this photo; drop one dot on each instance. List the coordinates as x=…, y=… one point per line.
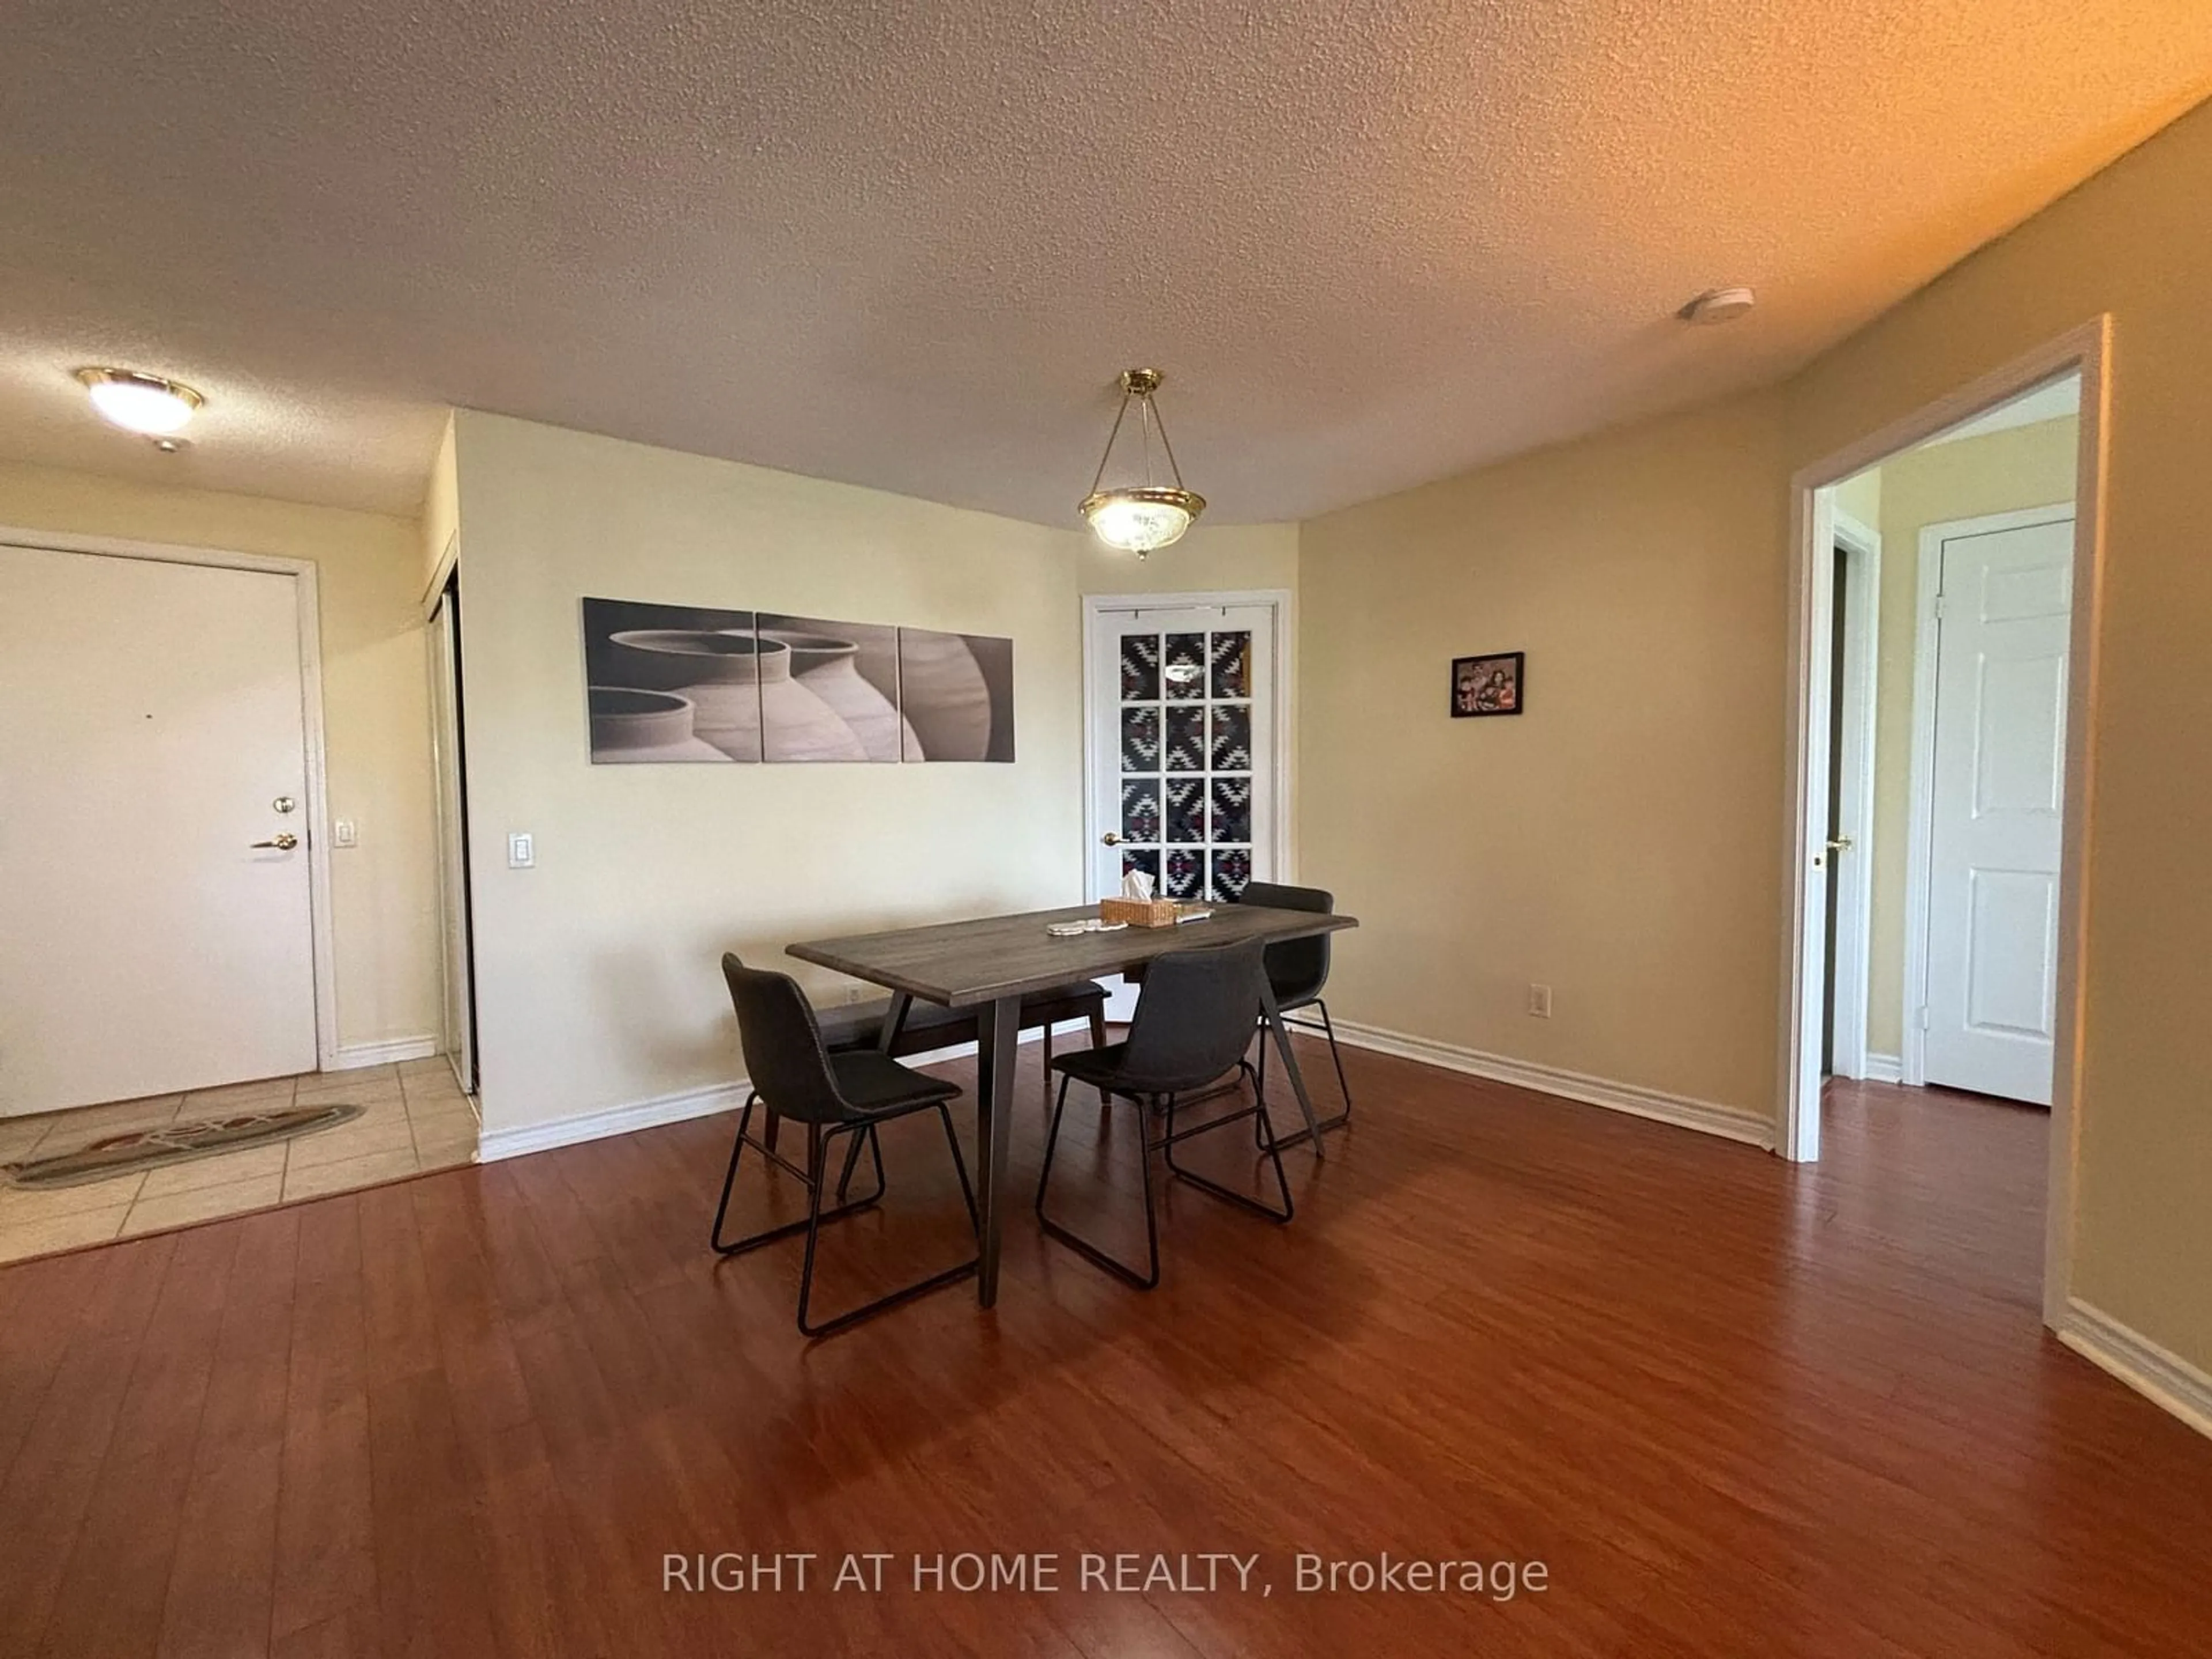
x=1854, y=923
x=2084, y=350
x=1278, y=601
x=306, y=604
x=442, y=638
x=448, y=556
x=1920, y=801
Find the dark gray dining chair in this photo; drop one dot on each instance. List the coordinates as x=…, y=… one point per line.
x=899, y=1025
x=832, y=1095
x=1193, y=1023
x=1297, y=969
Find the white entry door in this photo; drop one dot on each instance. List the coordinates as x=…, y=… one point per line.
x=152, y=745
x=1183, y=785
x=1997, y=802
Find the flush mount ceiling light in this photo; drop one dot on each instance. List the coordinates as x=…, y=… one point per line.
x=1137, y=518
x=1718, y=305
x=141, y=403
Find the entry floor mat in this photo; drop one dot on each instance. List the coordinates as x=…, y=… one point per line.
x=141, y=1149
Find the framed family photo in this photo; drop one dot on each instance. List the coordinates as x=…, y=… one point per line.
x=1487, y=685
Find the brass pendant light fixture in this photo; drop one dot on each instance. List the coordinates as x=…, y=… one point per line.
x=1137, y=518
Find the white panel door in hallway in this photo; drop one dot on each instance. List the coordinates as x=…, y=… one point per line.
x=1997, y=801
x=153, y=745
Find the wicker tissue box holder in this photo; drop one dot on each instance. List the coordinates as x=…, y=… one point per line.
x=1140, y=912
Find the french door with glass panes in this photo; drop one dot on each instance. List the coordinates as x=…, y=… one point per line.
x=1183, y=778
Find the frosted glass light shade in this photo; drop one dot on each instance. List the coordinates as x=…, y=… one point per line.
x=140, y=403
x=1139, y=520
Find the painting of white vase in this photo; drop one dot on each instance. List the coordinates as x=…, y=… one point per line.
x=826, y=659
x=718, y=670
x=957, y=692
x=632, y=726
x=688, y=682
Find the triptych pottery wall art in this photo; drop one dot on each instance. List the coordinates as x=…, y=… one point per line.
x=678, y=683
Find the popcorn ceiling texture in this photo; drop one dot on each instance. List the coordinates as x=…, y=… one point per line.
x=909, y=245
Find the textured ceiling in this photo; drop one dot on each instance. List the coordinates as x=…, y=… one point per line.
x=909, y=244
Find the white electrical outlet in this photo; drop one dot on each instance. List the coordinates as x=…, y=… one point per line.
x=522, y=850
x=1540, y=1001
x=343, y=833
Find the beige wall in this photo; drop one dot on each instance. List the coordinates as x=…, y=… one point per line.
x=1620, y=841
x=1860, y=496
x=1999, y=472
x=375, y=708
x=597, y=982
x=441, y=506
x=1468, y=849
x=1233, y=558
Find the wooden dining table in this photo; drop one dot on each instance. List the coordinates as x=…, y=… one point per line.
x=991, y=963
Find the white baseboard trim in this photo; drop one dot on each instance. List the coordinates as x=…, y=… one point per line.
x=1885, y=1069
x=1729, y=1122
x=527, y=1138
x=496, y=1143
x=2164, y=1378
x=351, y=1056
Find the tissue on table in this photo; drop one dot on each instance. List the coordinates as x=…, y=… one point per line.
x=1137, y=904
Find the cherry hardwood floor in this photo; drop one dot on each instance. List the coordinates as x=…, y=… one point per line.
x=1735, y=1408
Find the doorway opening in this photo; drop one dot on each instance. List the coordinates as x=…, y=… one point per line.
x=1946, y=584
x=1854, y=737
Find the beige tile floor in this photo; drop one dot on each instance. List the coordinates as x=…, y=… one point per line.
x=414, y=1118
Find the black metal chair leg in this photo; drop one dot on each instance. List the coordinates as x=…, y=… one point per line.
x=1051, y=1146
x=959, y=1167
x=817, y=1216
x=1148, y=1281
x=853, y=1162
x=754, y=1241
x=729, y=1179
x=876, y=1152
x=1262, y=1126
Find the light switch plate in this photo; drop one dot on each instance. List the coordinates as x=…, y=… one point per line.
x=343, y=834
x=522, y=850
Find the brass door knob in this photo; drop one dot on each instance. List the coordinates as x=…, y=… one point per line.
x=1110, y=839
x=284, y=843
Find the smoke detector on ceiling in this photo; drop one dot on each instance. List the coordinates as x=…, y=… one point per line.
x=1718, y=305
